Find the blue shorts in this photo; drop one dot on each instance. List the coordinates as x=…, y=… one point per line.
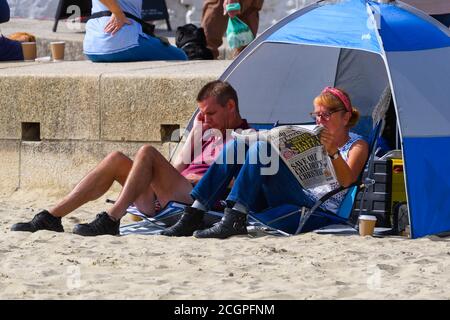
x=149, y=49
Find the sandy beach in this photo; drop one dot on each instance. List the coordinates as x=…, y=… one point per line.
x=47, y=265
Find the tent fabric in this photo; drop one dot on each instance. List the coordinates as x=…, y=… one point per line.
x=421, y=86
x=284, y=76
x=361, y=46
x=402, y=30
x=427, y=168
x=363, y=75
x=349, y=19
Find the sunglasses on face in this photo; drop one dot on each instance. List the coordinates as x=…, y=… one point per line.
x=324, y=115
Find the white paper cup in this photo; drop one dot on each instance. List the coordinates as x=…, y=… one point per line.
x=367, y=225
x=57, y=48
x=29, y=51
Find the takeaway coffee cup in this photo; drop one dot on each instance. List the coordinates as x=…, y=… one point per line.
x=367, y=225
x=58, y=50
x=29, y=51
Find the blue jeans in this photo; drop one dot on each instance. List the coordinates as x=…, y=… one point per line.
x=251, y=188
x=10, y=50
x=250, y=185
x=147, y=50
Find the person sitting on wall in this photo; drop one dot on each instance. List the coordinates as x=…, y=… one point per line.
x=150, y=176
x=117, y=38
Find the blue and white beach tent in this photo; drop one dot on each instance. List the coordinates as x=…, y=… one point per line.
x=362, y=46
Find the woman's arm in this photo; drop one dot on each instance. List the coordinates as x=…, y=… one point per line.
x=348, y=171
x=4, y=11
x=118, y=18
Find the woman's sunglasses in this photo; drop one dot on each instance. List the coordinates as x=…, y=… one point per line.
x=325, y=115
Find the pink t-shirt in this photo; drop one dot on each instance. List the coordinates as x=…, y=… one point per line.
x=211, y=148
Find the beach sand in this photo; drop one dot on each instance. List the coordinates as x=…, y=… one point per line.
x=48, y=265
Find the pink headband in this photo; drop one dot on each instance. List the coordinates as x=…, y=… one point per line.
x=338, y=94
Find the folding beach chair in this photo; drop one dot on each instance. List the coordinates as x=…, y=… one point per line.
x=165, y=218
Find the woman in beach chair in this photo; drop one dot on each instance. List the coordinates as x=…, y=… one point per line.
x=116, y=33
x=252, y=188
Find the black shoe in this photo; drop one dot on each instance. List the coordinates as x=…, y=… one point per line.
x=233, y=223
x=191, y=220
x=102, y=224
x=41, y=221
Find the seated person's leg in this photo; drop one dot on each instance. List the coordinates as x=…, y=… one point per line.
x=114, y=167
x=262, y=165
x=153, y=49
x=283, y=188
x=149, y=49
x=10, y=50
x=145, y=203
x=121, y=56
x=150, y=170
x=167, y=182
x=214, y=183
x=264, y=172
x=246, y=192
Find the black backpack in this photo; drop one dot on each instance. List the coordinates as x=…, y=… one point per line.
x=192, y=41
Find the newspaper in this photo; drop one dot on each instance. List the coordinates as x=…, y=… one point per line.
x=300, y=149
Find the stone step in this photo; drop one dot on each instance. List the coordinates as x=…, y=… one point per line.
x=79, y=111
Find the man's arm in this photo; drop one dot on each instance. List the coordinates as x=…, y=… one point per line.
x=185, y=153
x=4, y=11
x=184, y=157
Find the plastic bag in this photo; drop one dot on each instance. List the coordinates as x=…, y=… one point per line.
x=238, y=33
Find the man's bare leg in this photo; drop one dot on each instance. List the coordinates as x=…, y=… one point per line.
x=114, y=167
x=151, y=170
